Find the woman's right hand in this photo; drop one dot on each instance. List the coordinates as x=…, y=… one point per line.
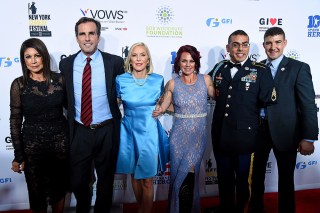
x=17, y=167
x=157, y=112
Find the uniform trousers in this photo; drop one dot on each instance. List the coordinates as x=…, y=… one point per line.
x=92, y=149
x=286, y=161
x=233, y=174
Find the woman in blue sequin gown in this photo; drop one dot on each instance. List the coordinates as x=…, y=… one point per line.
x=141, y=136
x=188, y=93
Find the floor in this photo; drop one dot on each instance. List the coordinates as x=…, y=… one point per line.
x=115, y=209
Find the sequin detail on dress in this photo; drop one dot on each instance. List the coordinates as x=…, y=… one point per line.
x=188, y=137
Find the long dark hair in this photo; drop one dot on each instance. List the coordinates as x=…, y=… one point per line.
x=195, y=54
x=38, y=45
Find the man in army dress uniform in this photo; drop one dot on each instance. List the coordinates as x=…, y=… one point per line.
x=242, y=87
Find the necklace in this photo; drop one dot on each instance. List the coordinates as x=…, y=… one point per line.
x=140, y=83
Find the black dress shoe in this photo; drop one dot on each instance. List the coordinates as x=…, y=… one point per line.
x=216, y=209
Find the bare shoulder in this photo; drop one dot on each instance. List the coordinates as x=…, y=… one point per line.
x=207, y=77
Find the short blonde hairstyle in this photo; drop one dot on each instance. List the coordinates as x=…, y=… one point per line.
x=127, y=64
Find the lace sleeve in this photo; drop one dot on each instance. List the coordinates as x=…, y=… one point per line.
x=16, y=118
x=63, y=83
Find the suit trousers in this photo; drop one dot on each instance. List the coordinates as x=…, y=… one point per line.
x=233, y=173
x=92, y=150
x=286, y=161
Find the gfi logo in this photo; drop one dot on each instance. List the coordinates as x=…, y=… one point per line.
x=214, y=22
x=303, y=165
x=7, y=62
x=5, y=180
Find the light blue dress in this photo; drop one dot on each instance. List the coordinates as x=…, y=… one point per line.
x=187, y=138
x=142, y=149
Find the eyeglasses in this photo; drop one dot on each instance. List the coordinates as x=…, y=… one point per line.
x=237, y=45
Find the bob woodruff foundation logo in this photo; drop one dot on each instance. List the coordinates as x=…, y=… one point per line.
x=38, y=22
x=164, y=16
x=294, y=54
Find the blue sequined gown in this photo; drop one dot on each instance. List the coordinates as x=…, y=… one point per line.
x=140, y=133
x=187, y=138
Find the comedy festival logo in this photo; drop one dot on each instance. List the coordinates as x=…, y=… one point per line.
x=313, y=26
x=164, y=16
x=162, y=177
x=38, y=22
x=211, y=173
x=125, y=52
x=266, y=23
x=109, y=18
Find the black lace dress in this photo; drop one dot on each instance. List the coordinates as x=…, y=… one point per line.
x=39, y=136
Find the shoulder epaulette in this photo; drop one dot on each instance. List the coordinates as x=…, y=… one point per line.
x=258, y=64
x=218, y=66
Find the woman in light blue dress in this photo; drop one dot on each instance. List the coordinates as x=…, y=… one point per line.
x=188, y=92
x=141, y=136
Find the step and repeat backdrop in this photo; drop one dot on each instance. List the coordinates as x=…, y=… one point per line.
x=164, y=25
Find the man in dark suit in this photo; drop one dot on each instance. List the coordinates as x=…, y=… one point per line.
x=289, y=125
x=241, y=87
x=94, y=140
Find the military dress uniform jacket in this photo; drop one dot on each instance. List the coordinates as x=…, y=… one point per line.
x=238, y=103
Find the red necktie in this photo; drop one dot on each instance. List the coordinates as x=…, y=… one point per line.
x=86, y=97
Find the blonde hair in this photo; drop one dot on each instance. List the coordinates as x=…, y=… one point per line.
x=127, y=65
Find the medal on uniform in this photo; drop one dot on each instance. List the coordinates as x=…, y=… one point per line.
x=247, y=86
x=274, y=95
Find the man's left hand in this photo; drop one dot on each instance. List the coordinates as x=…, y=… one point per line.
x=305, y=147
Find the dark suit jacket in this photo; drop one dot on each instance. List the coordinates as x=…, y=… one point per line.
x=294, y=117
x=238, y=100
x=113, y=66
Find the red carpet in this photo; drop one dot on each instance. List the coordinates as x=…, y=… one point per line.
x=307, y=201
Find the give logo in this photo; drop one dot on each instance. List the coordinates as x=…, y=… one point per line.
x=272, y=21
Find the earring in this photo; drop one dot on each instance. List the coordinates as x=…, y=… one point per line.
x=180, y=72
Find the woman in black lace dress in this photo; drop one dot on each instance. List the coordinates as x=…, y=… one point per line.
x=39, y=128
